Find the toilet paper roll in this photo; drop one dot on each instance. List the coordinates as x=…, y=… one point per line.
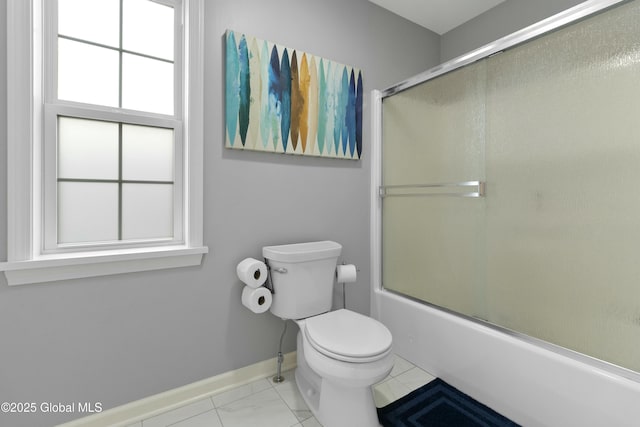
x=257, y=300
x=252, y=272
x=346, y=273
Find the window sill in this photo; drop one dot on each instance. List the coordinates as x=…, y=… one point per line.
x=90, y=264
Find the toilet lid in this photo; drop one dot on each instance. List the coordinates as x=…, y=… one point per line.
x=349, y=336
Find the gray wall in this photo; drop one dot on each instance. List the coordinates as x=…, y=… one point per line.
x=502, y=20
x=119, y=338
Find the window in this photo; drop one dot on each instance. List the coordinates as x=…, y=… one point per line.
x=113, y=121
x=112, y=171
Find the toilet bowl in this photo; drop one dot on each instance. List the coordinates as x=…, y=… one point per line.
x=341, y=354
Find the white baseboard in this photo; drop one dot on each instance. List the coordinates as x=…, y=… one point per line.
x=153, y=405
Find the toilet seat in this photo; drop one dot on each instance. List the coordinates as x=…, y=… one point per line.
x=348, y=336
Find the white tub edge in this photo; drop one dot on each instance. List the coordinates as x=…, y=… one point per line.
x=529, y=384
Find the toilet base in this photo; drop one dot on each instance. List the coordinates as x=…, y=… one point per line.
x=333, y=403
x=347, y=407
x=337, y=406
x=309, y=393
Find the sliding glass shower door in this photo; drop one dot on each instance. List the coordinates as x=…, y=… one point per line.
x=433, y=143
x=552, y=248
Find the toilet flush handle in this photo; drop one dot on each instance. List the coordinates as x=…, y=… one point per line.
x=269, y=284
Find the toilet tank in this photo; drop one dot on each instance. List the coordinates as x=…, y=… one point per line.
x=302, y=275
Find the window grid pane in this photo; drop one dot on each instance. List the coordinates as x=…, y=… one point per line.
x=147, y=211
x=93, y=79
x=87, y=148
x=157, y=38
x=147, y=153
x=75, y=212
x=162, y=55
x=99, y=23
x=87, y=212
x=146, y=84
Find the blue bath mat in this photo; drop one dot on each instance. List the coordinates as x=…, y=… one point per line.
x=440, y=405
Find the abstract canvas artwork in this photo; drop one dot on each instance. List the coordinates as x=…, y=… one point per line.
x=287, y=101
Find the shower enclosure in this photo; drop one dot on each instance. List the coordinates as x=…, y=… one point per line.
x=508, y=189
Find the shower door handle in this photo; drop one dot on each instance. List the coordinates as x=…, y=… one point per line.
x=446, y=189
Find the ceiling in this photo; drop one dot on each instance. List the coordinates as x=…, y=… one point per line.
x=438, y=16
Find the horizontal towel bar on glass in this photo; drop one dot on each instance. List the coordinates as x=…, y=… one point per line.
x=457, y=189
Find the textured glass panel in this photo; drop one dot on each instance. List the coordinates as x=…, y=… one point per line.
x=147, y=211
x=432, y=250
x=97, y=21
x=433, y=134
x=87, y=149
x=147, y=84
x=148, y=28
x=87, y=73
x=553, y=246
x=87, y=212
x=563, y=160
x=147, y=153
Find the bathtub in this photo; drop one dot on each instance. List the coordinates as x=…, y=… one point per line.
x=523, y=380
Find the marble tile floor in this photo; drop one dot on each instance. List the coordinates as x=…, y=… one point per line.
x=267, y=404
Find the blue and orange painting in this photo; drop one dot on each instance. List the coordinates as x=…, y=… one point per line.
x=287, y=101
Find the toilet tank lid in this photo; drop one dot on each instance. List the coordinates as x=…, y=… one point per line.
x=301, y=252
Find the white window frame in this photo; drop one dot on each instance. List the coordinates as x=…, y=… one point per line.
x=29, y=113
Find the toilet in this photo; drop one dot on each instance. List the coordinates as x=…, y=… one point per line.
x=341, y=353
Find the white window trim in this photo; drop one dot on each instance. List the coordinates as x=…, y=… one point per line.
x=25, y=263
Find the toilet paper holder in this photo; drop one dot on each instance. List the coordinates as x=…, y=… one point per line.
x=269, y=282
x=344, y=292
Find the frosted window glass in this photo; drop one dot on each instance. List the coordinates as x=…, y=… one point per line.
x=147, y=153
x=147, y=84
x=87, y=149
x=148, y=28
x=97, y=21
x=87, y=212
x=87, y=73
x=147, y=211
